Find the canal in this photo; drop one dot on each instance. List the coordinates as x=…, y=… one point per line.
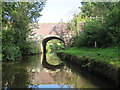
x=47, y=71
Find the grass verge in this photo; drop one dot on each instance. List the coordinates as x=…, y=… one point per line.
x=101, y=61
x=108, y=55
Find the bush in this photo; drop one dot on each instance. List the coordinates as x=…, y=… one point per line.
x=33, y=47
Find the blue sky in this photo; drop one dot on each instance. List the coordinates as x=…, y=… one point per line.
x=57, y=10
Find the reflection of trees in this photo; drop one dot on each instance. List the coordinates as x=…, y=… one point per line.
x=47, y=65
x=53, y=59
x=13, y=77
x=87, y=79
x=18, y=74
x=66, y=77
x=61, y=75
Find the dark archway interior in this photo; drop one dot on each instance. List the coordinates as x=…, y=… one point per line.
x=44, y=42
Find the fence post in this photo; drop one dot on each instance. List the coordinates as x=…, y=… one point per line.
x=95, y=44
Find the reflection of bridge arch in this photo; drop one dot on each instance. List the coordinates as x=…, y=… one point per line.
x=45, y=64
x=48, y=38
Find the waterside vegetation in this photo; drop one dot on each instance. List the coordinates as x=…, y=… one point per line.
x=96, y=46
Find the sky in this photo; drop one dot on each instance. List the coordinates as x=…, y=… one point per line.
x=59, y=10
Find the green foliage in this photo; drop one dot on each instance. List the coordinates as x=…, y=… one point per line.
x=104, y=32
x=93, y=9
x=52, y=58
x=16, y=17
x=9, y=49
x=33, y=47
x=54, y=45
x=92, y=32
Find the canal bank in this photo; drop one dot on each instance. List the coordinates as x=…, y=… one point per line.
x=104, y=69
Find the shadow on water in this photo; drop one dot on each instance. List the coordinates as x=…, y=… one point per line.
x=97, y=81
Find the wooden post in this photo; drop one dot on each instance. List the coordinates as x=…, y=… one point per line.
x=95, y=44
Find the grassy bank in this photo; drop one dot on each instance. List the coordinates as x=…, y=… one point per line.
x=104, y=61
x=108, y=55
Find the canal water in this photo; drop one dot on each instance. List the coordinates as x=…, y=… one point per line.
x=47, y=71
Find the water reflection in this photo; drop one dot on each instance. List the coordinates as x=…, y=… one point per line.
x=16, y=74
x=28, y=71
x=87, y=79
x=47, y=65
x=33, y=71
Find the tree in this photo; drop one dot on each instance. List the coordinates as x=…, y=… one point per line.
x=105, y=31
x=93, y=9
x=16, y=17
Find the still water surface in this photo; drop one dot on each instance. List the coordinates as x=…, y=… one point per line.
x=46, y=71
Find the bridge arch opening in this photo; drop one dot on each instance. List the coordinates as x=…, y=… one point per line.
x=45, y=40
